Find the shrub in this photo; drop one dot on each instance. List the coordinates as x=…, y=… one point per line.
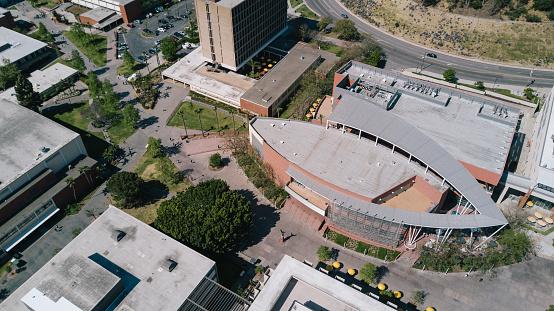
x=532, y=18
x=418, y=297
x=324, y=253
x=215, y=160
x=477, y=5
x=259, y=269
x=480, y=85
x=449, y=75
x=367, y=273
x=551, y=15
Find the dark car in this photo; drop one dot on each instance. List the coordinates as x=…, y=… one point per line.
x=433, y=55
x=184, y=16
x=170, y=18
x=169, y=26
x=163, y=21
x=152, y=51
x=147, y=31
x=344, y=15
x=178, y=34
x=142, y=58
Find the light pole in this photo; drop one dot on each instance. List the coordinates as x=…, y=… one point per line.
x=422, y=62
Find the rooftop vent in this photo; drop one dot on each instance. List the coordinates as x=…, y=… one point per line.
x=283, y=124
x=295, y=153
x=273, y=80
x=282, y=142
x=44, y=149
x=169, y=264
x=272, y=124
x=301, y=57
x=117, y=235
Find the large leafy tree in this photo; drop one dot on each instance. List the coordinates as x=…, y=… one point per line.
x=8, y=73
x=78, y=61
x=155, y=148
x=324, y=22
x=131, y=115
x=209, y=216
x=346, y=29
x=367, y=273
x=449, y=75
x=169, y=49
x=94, y=85
x=25, y=94
x=125, y=187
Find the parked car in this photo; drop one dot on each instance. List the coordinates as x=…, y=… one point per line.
x=147, y=31
x=157, y=42
x=141, y=58
x=121, y=44
x=344, y=15
x=149, y=15
x=130, y=25
x=169, y=26
x=170, y=18
x=157, y=49
x=178, y=35
x=152, y=51
x=184, y=16
x=182, y=33
x=122, y=48
x=163, y=21
x=432, y=55
x=119, y=56
x=137, y=21
x=159, y=9
x=161, y=29
x=174, y=38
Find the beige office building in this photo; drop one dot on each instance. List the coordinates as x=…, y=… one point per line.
x=233, y=31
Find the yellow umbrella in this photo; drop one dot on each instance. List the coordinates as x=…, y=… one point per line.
x=269, y=59
x=270, y=65
x=262, y=57
x=531, y=219
x=397, y=294
x=265, y=69
x=549, y=220
x=315, y=104
x=529, y=203
x=259, y=67
x=430, y=309
x=351, y=271
x=309, y=115
x=538, y=215
x=275, y=62
x=318, y=100
x=263, y=64
x=541, y=223
x=312, y=109
x=336, y=264
x=381, y=286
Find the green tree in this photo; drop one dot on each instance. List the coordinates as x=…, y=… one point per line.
x=215, y=160
x=78, y=61
x=347, y=30
x=259, y=269
x=324, y=22
x=155, y=148
x=533, y=18
x=374, y=58
x=199, y=112
x=128, y=59
x=529, y=93
x=8, y=73
x=418, y=297
x=209, y=216
x=551, y=15
x=25, y=94
x=126, y=187
x=480, y=85
x=543, y=5
x=253, y=64
x=169, y=49
x=83, y=170
x=181, y=113
x=70, y=181
x=217, y=119
x=449, y=75
x=367, y=273
x=131, y=115
x=324, y=253
x=94, y=85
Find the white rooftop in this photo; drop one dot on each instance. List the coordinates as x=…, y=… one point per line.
x=20, y=45
x=465, y=127
x=139, y=259
x=185, y=71
x=22, y=133
x=295, y=284
x=42, y=80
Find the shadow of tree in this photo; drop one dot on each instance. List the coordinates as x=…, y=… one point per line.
x=4, y=293
x=144, y=123
x=264, y=219
x=380, y=273
x=173, y=150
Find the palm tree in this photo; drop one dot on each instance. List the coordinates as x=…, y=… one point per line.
x=279, y=109
x=198, y=112
x=90, y=213
x=146, y=61
x=70, y=181
x=254, y=64
x=216, y=119
x=108, y=155
x=247, y=114
x=321, y=118
x=233, y=111
x=181, y=113
x=84, y=170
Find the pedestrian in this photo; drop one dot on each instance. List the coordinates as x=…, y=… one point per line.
x=191, y=161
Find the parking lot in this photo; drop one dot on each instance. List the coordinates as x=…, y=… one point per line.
x=138, y=43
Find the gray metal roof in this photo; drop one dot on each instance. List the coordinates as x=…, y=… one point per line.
x=20, y=45
x=359, y=114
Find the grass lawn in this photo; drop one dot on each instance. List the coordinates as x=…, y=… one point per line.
x=13, y=8
x=61, y=61
x=119, y=131
x=361, y=247
x=70, y=117
x=305, y=12
x=129, y=70
x=96, y=52
x=329, y=47
x=148, y=168
x=76, y=9
x=295, y=3
x=208, y=119
x=146, y=213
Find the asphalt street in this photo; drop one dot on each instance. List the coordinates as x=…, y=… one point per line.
x=403, y=54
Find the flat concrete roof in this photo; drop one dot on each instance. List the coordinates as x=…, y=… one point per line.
x=22, y=133
x=19, y=45
x=225, y=3
x=547, y=155
x=466, y=127
x=77, y=280
x=280, y=78
x=294, y=283
x=99, y=14
x=340, y=159
x=186, y=71
x=139, y=259
x=42, y=80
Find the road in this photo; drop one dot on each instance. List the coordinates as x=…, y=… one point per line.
x=403, y=54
